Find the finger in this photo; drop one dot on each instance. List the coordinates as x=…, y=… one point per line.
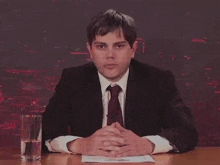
x=108, y=130
x=107, y=133
x=117, y=125
x=110, y=148
x=128, y=153
x=130, y=150
x=113, y=153
x=100, y=141
x=116, y=139
x=113, y=129
x=113, y=124
x=111, y=143
x=125, y=149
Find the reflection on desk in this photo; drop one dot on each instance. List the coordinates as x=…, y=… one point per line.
x=63, y=159
x=200, y=156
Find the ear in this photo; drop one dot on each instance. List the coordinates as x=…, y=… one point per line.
x=134, y=48
x=89, y=49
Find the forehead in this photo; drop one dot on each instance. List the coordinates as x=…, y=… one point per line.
x=115, y=36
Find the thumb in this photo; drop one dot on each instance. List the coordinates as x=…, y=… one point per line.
x=117, y=125
x=113, y=125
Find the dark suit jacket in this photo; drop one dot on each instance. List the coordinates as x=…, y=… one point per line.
x=152, y=107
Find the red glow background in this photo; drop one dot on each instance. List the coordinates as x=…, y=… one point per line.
x=39, y=38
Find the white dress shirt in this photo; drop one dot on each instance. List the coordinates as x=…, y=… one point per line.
x=59, y=144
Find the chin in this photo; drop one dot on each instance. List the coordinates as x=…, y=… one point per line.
x=113, y=78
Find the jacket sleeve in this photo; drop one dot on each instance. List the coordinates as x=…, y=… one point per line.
x=178, y=124
x=55, y=119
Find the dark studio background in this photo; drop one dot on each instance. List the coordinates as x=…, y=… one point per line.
x=38, y=38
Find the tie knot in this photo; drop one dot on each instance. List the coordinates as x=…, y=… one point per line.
x=114, y=90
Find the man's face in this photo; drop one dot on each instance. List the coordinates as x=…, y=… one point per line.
x=111, y=54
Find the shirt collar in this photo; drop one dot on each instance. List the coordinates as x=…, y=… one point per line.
x=122, y=82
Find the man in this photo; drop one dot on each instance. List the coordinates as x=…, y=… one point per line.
x=144, y=115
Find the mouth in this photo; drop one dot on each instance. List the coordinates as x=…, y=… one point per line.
x=110, y=66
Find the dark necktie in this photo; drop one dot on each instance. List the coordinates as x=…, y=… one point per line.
x=114, y=108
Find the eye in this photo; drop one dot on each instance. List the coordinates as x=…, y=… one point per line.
x=119, y=46
x=101, y=46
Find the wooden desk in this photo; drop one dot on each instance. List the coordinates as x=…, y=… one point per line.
x=200, y=156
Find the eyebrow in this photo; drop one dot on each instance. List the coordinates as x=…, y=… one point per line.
x=120, y=42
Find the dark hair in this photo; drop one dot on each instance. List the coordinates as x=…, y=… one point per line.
x=110, y=21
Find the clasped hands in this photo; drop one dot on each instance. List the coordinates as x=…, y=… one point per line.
x=112, y=141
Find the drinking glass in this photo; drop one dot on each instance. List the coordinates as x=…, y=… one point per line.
x=31, y=132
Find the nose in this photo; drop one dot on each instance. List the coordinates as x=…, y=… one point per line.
x=110, y=53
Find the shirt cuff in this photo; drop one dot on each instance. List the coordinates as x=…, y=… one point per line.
x=59, y=144
x=162, y=145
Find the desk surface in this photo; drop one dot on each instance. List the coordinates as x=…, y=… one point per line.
x=200, y=156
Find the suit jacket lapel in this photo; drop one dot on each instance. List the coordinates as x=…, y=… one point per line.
x=130, y=102
x=92, y=92
x=137, y=94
